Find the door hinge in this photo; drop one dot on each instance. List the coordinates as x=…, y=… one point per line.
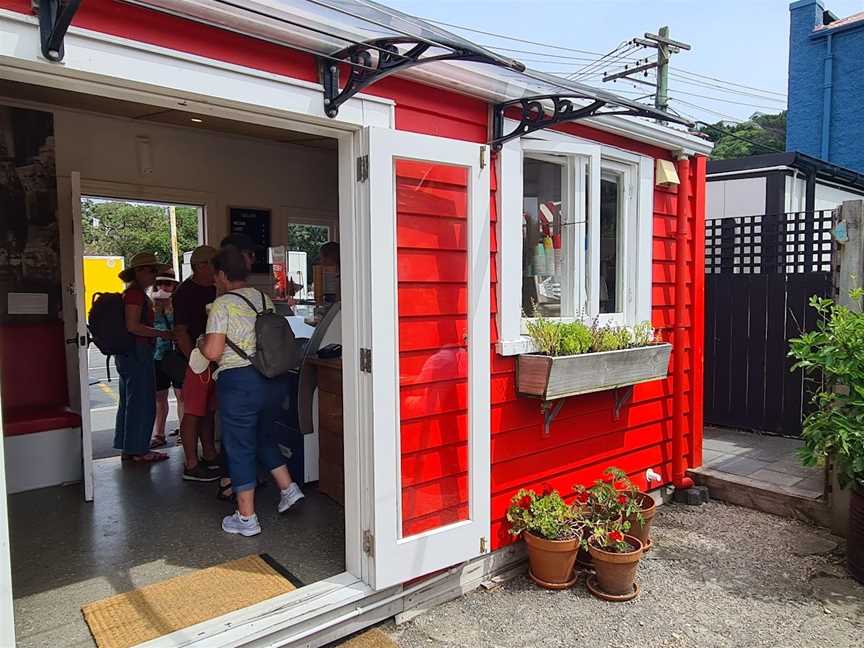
x=369, y=543
x=483, y=545
x=362, y=168
x=366, y=360
x=482, y=157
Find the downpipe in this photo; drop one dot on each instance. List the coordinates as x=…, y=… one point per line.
x=679, y=478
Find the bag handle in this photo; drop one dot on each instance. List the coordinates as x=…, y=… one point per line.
x=228, y=341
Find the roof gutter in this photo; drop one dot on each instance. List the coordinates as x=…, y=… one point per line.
x=478, y=81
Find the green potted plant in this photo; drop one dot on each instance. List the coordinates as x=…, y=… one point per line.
x=615, y=557
x=617, y=499
x=835, y=429
x=637, y=507
x=552, y=531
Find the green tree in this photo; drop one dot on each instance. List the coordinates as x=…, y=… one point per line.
x=308, y=239
x=123, y=229
x=760, y=134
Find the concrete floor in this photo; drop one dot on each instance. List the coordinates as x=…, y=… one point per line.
x=145, y=525
x=769, y=460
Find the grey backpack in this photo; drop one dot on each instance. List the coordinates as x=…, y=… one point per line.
x=275, y=347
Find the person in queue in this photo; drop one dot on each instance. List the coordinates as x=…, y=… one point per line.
x=190, y=302
x=246, y=246
x=136, y=409
x=164, y=321
x=249, y=403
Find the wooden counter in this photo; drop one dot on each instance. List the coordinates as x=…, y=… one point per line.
x=331, y=448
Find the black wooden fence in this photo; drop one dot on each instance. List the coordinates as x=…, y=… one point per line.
x=760, y=272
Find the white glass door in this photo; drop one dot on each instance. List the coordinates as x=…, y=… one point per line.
x=428, y=208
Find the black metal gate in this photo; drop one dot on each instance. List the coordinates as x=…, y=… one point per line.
x=760, y=272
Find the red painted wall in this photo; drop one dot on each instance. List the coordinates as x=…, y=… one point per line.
x=585, y=438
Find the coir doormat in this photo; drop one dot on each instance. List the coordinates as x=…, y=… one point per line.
x=149, y=612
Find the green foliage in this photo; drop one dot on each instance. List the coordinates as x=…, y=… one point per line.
x=547, y=516
x=575, y=338
x=546, y=335
x=555, y=338
x=308, y=239
x=759, y=135
x=124, y=229
x=835, y=350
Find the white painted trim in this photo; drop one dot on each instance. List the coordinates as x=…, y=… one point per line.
x=508, y=255
x=74, y=191
x=119, y=68
x=7, y=609
x=399, y=558
x=645, y=240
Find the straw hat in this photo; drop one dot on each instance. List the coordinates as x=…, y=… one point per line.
x=167, y=277
x=142, y=260
x=202, y=254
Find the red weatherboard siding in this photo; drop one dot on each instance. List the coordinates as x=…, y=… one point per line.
x=585, y=439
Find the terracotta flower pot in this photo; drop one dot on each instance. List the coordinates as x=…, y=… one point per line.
x=642, y=530
x=615, y=577
x=550, y=562
x=855, y=534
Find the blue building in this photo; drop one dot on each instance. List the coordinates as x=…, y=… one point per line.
x=826, y=84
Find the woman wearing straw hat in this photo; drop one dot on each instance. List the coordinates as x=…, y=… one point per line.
x=136, y=410
x=163, y=354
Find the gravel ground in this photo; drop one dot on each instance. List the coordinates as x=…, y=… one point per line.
x=718, y=576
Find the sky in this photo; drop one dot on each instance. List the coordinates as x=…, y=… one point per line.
x=733, y=41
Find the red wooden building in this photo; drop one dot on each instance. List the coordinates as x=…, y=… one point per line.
x=450, y=175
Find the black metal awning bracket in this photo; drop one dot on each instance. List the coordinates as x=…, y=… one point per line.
x=533, y=116
x=375, y=59
x=55, y=16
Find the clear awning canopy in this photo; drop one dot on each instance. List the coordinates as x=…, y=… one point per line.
x=358, y=42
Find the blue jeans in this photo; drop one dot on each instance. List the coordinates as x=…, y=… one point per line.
x=136, y=409
x=249, y=405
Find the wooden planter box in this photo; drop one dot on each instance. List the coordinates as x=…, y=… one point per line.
x=549, y=377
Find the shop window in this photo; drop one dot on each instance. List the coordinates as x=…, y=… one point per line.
x=581, y=241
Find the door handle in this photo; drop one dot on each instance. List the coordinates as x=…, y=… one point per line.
x=81, y=340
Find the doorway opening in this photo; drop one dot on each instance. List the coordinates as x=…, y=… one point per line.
x=113, y=231
x=145, y=524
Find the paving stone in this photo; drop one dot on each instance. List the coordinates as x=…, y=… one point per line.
x=740, y=466
x=775, y=478
x=810, y=544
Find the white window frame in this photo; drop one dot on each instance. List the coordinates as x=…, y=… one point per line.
x=637, y=173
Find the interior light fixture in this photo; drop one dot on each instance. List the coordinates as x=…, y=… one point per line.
x=197, y=120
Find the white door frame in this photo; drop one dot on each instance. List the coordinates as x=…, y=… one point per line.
x=74, y=191
x=93, y=65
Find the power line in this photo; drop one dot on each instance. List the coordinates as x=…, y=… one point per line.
x=704, y=84
x=724, y=115
x=731, y=83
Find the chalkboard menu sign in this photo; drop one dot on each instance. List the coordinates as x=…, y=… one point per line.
x=254, y=223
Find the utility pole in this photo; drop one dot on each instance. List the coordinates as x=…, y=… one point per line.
x=175, y=261
x=665, y=47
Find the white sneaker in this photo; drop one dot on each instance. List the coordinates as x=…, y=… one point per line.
x=289, y=497
x=243, y=526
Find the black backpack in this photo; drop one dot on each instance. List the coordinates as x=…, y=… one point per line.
x=275, y=346
x=107, y=324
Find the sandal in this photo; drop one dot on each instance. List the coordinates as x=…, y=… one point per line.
x=225, y=494
x=149, y=457
x=158, y=442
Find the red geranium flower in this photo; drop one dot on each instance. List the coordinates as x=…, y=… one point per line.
x=616, y=536
x=547, y=489
x=582, y=497
x=525, y=502
x=623, y=499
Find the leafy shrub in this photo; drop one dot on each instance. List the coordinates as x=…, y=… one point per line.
x=547, y=516
x=546, y=335
x=836, y=351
